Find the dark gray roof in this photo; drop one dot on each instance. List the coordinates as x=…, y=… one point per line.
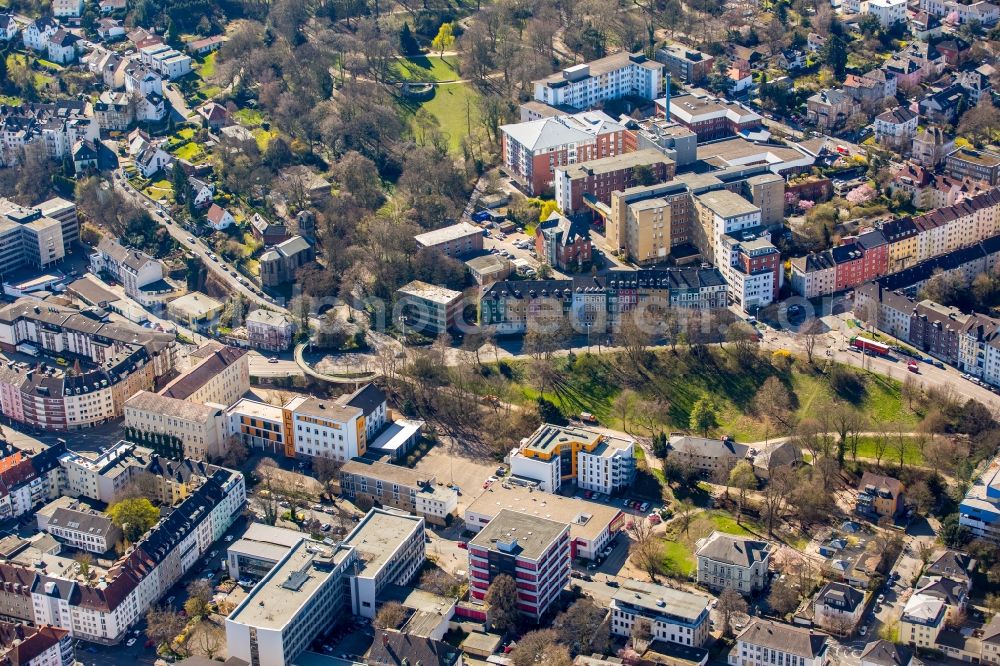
x=368, y=398
x=953, y=564
x=884, y=653
x=786, y=638
x=841, y=596
x=712, y=448
x=734, y=550
x=90, y=522
x=391, y=648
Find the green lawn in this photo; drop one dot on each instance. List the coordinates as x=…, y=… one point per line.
x=192, y=152
x=11, y=101
x=160, y=189
x=911, y=452
x=678, y=547
x=456, y=109
x=426, y=68
x=263, y=137
x=592, y=385
x=207, y=68
x=249, y=117
x=48, y=64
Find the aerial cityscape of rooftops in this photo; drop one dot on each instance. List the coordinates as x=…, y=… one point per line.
x=540, y=333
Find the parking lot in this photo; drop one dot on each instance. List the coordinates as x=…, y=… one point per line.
x=449, y=468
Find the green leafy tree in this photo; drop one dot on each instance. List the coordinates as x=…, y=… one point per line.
x=704, y=415
x=134, y=516
x=445, y=39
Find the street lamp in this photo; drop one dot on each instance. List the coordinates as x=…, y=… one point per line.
x=402, y=325
x=588, y=336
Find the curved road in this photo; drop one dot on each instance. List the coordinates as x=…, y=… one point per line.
x=195, y=246
x=333, y=379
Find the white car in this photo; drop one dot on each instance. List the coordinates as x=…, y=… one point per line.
x=190, y=239
x=229, y=538
x=130, y=642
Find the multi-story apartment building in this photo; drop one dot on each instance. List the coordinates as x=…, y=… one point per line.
x=555, y=454
x=313, y=585
x=105, y=610
x=718, y=213
x=879, y=495
x=134, y=269
x=563, y=243
x=592, y=525
x=532, y=150
x=258, y=425
x=178, y=428
x=814, y=274
x=577, y=185
x=301, y=598
x=726, y=561
x=533, y=551
x=709, y=118
x=269, y=330
x=456, y=240
x=28, y=238
x=712, y=457
x=685, y=64
x=218, y=374
x=922, y=620
x=28, y=480
x=979, y=511
x=768, y=643
x=170, y=63
x=261, y=547
x=896, y=127
x=754, y=272
x=672, y=616
x=390, y=547
x=320, y=427
x=23, y=645
x=84, y=529
x=986, y=13
x=974, y=164
x=400, y=488
x=123, y=358
x=618, y=75
x=601, y=303
x=838, y=608
x=57, y=127
x=888, y=12
x=428, y=307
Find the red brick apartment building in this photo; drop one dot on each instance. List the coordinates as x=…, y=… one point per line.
x=532, y=151
x=708, y=117
x=599, y=178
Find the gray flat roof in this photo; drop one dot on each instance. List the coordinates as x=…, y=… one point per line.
x=663, y=600
x=379, y=535
x=277, y=599
x=530, y=536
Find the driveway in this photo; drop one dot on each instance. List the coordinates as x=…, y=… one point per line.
x=178, y=104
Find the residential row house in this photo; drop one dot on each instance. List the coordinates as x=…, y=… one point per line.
x=599, y=303
x=56, y=126
x=900, y=244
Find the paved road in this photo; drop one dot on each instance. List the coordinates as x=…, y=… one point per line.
x=260, y=366
x=179, y=105
x=219, y=269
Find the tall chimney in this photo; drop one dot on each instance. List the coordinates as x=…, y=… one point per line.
x=668, y=97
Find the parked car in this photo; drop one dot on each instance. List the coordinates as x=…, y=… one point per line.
x=463, y=545
x=130, y=642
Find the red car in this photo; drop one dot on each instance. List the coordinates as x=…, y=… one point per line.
x=463, y=545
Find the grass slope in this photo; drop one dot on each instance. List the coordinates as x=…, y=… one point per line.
x=592, y=383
